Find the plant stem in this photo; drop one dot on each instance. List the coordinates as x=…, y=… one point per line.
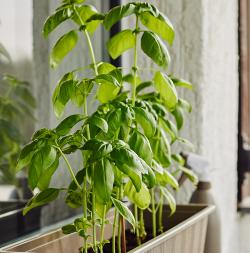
x=69, y=168
x=160, y=213
x=114, y=226
x=137, y=225
x=153, y=212
x=102, y=227
x=142, y=225
x=135, y=63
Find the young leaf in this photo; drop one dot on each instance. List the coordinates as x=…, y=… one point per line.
x=124, y=211
x=159, y=24
x=166, y=88
x=146, y=120
x=120, y=43
x=167, y=179
x=140, y=144
x=181, y=82
x=185, y=105
x=105, y=67
x=103, y=180
x=66, y=125
x=170, y=199
x=169, y=128
x=141, y=199
x=117, y=13
x=85, y=12
x=143, y=86
x=157, y=51
x=41, y=198
x=98, y=122
x=62, y=47
x=56, y=19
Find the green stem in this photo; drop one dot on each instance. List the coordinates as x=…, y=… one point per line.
x=85, y=214
x=142, y=225
x=160, y=213
x=102, y=227
x=153, y=212
x=135, y=62
x=137, y=226
x=116, y=217
x=69, y=168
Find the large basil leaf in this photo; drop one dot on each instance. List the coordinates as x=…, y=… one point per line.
x=41, y=198
x=166, y=88
x=117, y=13
x=68, y=123
x=141, y=199
x=98, y=122
x=155, y=49
x=159, y=24
x=103, y=180
x=62, y=47
x=120, y=43
x=146, y=121
x=140, y=144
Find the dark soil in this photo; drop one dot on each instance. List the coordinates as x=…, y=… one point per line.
x=131, y=242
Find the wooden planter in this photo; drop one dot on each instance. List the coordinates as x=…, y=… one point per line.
x=186, y=233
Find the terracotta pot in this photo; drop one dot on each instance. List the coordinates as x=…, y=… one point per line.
x=186, y=233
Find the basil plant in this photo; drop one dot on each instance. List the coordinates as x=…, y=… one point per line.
x=126, y=143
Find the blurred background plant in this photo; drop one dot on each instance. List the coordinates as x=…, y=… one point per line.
x=16, y=105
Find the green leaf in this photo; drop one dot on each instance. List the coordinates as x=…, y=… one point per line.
x=62, y=47
x=141, y=199
x=181, y=82
x=45, y=178
x=167, y=179
x=41, y=160
x=161, y=149
x=143, y=86
x=114, y=122
x=146, y=121
x=140, y=144
x=169, y=128
x=170, y=199
x=120, y=43
x=155, y=49
x=124, y=211
x=186, y=142
x=98, y=122
x=103, y=180
x=190, y=175
x=58, y=17
x=105, y=67
x=86, y=12
x=4, y=52
x=69, y=229
x=166, y=88
x=74, y=199
x=63, y=92
x=68, y=123
x=179, y=118
x=159, y=24
x=41, y=198
x=117, y=13
x=26, y=155
x=129, y=163
x=185, y=105
x=99, y=149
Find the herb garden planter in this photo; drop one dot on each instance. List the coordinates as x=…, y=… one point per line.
x=186, y=232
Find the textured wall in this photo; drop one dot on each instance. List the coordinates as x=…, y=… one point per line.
x=205, y=52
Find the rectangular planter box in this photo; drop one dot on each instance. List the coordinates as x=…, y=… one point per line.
x=186, y=234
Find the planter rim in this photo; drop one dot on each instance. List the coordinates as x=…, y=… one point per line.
x=208, y=209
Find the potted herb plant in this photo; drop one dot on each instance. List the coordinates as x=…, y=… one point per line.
x=125, y=144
